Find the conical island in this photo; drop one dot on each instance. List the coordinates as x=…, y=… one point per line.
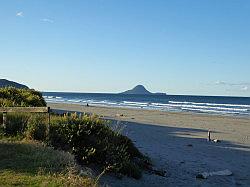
x=140, y=90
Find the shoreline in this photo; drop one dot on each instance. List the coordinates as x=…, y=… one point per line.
x=177, y=143
x=211, y=105
x=218, y=124
x=148, y=109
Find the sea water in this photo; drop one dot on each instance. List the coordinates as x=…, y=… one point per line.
x=239, y=106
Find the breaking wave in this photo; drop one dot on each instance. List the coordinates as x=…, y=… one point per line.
x=168, y=105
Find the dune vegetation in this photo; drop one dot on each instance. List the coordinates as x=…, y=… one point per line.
x=10, y=97
x=30, y=163
x=87, y=138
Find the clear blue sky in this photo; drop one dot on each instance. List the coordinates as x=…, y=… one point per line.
x=199, y=47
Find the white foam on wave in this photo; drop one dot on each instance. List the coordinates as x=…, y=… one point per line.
x=209, y=104
x=210, y=111
x=53, y=98
x=74, y=100
x=161, y=104
x=190, y=106
x=134, y=103
x=97, y=102
x=102, y=103
x=170, y=106
x=112, y=103
x=215, y=108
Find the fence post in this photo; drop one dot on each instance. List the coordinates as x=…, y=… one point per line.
x=48, y=120
x=4, y=119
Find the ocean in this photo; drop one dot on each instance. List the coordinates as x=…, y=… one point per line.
x=220, y=105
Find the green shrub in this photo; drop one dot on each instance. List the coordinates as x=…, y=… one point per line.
x=37, y=127
x=10, y=97
x=13, y=97
x=92, y=141
x=58, y=135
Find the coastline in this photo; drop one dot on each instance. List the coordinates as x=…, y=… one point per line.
x=96, y=108
x=212, y=105
x=176, y=142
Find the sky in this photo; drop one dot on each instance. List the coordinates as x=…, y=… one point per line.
x=189, y=47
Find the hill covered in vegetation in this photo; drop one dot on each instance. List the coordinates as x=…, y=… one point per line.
x=10, y=97
x=6, y=83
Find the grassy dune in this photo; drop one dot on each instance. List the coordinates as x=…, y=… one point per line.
x=28, y=163
x=86, y=138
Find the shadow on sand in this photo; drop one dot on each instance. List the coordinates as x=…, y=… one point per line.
x=183, y=153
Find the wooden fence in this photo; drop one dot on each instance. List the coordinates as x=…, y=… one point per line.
x=6, y=110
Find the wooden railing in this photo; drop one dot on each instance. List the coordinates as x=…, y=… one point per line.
x=6, y=110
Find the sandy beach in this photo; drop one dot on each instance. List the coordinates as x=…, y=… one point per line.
x=177, y=143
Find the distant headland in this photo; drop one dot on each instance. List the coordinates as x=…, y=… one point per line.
x=7, y=83
x=140, y=90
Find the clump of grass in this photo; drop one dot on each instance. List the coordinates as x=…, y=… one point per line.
x=16, y=123
x=10, y=178
x=32, y=157
x=29, y=163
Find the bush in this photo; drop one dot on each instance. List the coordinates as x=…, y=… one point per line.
x=87, y=137
x=10, y=97
x=92, y=141
x=17, y=122
x=36, y=127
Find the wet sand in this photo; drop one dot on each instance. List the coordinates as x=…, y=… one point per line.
x=177, y=143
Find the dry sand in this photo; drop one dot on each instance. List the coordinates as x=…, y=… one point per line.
x=177, y=143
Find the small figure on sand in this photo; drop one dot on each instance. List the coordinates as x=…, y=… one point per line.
x=87, y=105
